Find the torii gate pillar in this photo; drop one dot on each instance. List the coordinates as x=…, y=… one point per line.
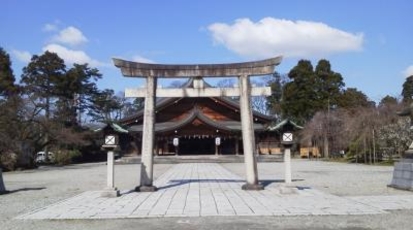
x=148, y=136
x=248, y=136
x=241, y=70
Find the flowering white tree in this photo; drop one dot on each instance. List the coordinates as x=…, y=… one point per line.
x=396, y=136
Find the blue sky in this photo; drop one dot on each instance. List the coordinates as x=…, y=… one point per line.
x=368, y=41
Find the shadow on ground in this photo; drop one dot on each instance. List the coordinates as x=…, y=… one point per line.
x=23, y=190
x=176, y=183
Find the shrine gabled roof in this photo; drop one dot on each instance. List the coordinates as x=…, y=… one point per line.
x=280, y=125
x=166, y=101
x=117, y=128
x=196, y=114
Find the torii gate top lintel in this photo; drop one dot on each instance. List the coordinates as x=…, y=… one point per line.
x=254, y=68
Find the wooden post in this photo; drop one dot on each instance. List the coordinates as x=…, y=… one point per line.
x=236, y=146
x=156, y=147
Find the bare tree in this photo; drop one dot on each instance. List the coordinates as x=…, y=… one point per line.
x=227, y=83
x=258, y=103
x=176, y=84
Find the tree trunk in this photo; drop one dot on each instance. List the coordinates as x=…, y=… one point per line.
x=325, y=142
x=364, y=150
x=370, y=156
x=374, y=149
x=357, y=153
x=46, y=134
x=2, y=187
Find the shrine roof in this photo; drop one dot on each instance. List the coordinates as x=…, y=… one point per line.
x=117, y=128
x=197, y=114
x=162, y=102
x=282, y=124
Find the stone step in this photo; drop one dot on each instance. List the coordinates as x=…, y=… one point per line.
x=199, y=159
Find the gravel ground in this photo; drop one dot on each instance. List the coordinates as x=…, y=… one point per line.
x=340, y=179
x=33, y=189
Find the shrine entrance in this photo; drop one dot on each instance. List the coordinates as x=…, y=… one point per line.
x=197, y=146
x=244, y=91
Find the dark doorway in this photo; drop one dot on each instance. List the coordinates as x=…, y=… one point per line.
x=196, y=146
x=227, y=147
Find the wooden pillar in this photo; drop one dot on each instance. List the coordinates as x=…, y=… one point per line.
x=165, y=147
x=156, y=147
x=148, y=136
x=138, y=141
x=257, y=147
x=236, y=146
x=248, y=138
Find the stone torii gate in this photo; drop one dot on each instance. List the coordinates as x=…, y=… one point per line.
x=240, y=70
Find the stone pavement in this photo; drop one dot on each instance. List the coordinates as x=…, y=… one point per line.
x=208, y=189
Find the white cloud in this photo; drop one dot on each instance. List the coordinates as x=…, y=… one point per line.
x=408, y=71
x=70, y=36
x=49, y=27
x=23, y=56
x=272, y=37
x=73, y=56
x=138, y=58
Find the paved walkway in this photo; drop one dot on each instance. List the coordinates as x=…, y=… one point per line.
x=208, y=189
